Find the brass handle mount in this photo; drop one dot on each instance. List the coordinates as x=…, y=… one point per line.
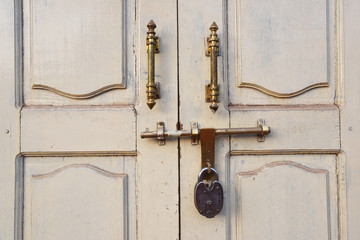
x=212, y=89
x=152, y=43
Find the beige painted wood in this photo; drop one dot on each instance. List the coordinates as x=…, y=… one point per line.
x=350, y=115
x=95, y=193
x=9, y=127
x=301, y=183
x=284, y=47
x=78, y=129
x=290, y=128
x=283, y=197
x=79, y=198
x=79, y=51
x=157, y=173
x=293, y=50
x=64, y=46
x=303, y=53
x=195, y=18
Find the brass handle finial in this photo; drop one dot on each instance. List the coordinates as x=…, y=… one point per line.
x=152, y=43
x=212, y=89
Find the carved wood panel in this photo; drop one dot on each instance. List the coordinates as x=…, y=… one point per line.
x=283, y=197
x=77, y=50
x=79, y=198
x=285, y=52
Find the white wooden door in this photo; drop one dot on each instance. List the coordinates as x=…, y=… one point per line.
x=282, y=61
x=74, y=167
x=73, y=102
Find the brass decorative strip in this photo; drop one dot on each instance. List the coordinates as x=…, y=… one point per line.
x=79, y=96
x=282, y=95
x=80, y=154
x=284, y=152
x=97, y=169
x=281, y=163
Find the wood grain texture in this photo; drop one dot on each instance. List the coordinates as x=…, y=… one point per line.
x=350, y=120
x=78, y=198
x=9, y=120
x=282, y=47
x=195, y=18
x=158, y=196
x=277, y=197
x=290, y=129
x=88, y=129
x=78, y=51
x=284, y=53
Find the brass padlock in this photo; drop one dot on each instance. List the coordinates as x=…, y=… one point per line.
x=209, y=196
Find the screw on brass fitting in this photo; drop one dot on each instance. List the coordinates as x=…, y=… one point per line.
x=212, y=89
x=152, y=43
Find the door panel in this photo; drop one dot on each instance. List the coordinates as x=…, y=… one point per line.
x=283, y=197
x=79, y=198
x=74, y=103
x=291, y=127
x=77, y=121
x=158, y=179
x=195, y=18
x=78, y=129
x=279, y=62
x=283, y=52
x=78, y=50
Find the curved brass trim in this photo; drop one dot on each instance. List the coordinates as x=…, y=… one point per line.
x=282, y=95
x=281, y=163
x=96, y=169
x=79, y=96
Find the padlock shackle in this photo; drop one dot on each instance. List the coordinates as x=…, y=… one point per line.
x=204, y=172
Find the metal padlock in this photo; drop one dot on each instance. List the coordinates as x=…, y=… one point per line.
x=209, y=196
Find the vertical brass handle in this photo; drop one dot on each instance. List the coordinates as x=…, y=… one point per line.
x=212, y=89
x=152, y=43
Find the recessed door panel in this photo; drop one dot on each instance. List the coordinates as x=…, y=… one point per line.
x=79, y=198
x=76, y=51
x=283, y=197
x=283, y=52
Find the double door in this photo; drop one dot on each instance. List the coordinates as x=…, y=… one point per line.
x=80, y=167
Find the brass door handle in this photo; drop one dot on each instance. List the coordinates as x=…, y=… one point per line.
x=152, y=43
x=212, y=89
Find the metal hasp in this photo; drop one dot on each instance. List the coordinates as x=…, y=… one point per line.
x=212, y=89
x=207, y=140
x=208, y=192
x=152, y=43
